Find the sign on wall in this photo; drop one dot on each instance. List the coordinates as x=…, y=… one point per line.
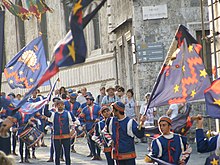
x=149, y=52
x=155, y=12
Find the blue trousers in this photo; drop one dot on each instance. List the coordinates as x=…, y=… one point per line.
x=110, y=161
x=52, y=150
x=58, y=143
x=126, y=162
x=21, y=150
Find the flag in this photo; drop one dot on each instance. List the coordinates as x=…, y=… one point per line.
x=180, y=124
x=183, y=76
x=28, y=66
x=10, y=104
x=212, y=99
x=72, y=49
x=16, y=10
x=37, y=8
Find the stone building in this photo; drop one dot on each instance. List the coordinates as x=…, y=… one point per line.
x=127, y=40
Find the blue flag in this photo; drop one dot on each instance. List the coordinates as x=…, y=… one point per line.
x=28, y=66
x=183, y=76
x=212, y=99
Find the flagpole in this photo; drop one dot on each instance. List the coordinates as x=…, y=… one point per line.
x=2, y=10
x=214, y=47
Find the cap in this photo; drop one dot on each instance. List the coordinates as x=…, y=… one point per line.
x=11, y=94
x=90, y=97
x=74, y=95
x=110, y=87
x=165, y=118
x=88, y=94
x=70, y=90
x=55, y=99
x=119, y=106
x=104, y=108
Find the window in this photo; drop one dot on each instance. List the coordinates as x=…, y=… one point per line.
x=43, y=30
x=96, y=31
x=67, y=7
x=20, y=33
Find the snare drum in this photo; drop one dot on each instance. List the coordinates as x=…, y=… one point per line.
x=31, y=136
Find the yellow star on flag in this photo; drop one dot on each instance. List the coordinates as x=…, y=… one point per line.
x=183, y=68
x=21, y=72
x=193, y=93
x=31, y=80
x=72, y=51
x=214, y=161
x=11, y=81
x=176, y=88
x=190, y=48
x=203, y=73
x=77, y=7
x=216, y=102
x=11, y=67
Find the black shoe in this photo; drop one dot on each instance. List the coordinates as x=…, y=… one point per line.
x=99, y=158
x=43, y=145
x=73, y=150
x=14, y=154
x=34, y=157
x=61, y=159
x=50, y=160
x=94, y=158
x=26, y=161
x=90, y=155
x=21, y=161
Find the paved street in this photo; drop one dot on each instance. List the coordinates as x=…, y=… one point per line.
x=80, y=158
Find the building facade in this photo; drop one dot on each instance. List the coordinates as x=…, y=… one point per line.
x=127, y=41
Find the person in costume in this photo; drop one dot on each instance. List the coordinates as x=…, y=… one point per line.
x=122, y=130
x=89, y=116
x=100, y=138
x=72, y=106
x=170, y=147
x=62, y=122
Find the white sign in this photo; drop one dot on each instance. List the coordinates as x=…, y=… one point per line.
x=154, y=12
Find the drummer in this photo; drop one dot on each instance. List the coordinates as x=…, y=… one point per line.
x=23, y=121
x=62, y=121
x=72, y=106
x=89, y=116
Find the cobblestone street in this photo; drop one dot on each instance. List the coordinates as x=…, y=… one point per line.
x=79, y=158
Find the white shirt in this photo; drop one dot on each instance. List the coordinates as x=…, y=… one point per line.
x=174, y=108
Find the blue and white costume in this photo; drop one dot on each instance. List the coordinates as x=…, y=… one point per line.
x=169, y=148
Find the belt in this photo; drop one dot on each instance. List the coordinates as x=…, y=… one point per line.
x=64, y=136
x=124, y=156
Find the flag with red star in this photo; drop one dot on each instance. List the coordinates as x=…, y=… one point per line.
x=72, y=49
x=212, y=99
x=183, y=77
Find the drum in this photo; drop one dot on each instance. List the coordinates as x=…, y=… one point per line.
x=31, y=136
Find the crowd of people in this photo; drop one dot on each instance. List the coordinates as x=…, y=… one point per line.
x=111, y=120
